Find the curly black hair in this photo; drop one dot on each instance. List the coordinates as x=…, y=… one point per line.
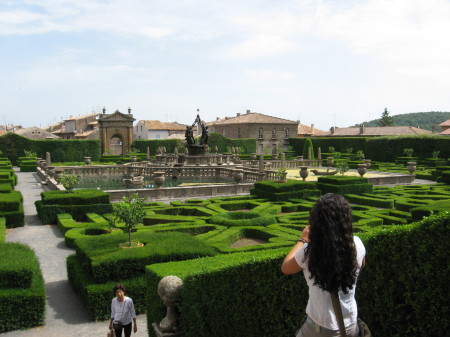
x=331, y=252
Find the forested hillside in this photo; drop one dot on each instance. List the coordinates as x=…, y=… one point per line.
x=424, y=120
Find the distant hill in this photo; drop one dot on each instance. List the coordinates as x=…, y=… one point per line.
x=423, y=120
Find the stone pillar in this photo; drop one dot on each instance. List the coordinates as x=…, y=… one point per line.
x=169, y=289
x=283, y=159
x=48, y=160
x=309, y=153
x=261, y=163
x=148, y=153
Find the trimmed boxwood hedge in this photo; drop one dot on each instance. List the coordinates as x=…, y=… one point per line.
x=282, y=191
x=435, y=207
x=242, y=219
x=344, y=185
x=104, y=257
x=228, y=284
x=405, y=270
x=97, y=297
x=20, y=307
x=78, y=197
x=2, y=229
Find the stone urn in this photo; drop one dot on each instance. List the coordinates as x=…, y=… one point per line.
x=50, y=171
x=362, y=169
x=133, y=158
x=253, y=156
x=58, y=174
x=87, y=160
x=411, y=167
x=238, y=175
x=159, y=178
x=368, y=162
x=304, y=172
x=330, y=161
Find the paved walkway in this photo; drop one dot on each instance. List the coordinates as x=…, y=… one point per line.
x=65, y=314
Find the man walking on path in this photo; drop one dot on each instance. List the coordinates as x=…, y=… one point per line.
x=65, y=313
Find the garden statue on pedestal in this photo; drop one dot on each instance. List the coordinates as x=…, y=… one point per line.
x=169, y=289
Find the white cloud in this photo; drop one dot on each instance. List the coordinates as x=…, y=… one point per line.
x=269, y=75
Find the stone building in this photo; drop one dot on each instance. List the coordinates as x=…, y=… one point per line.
x=376, y=131
x=81, y=127
x=116, y=132
x=271, y=133
x=35, y=133
x=145, y=129
x=445, y=128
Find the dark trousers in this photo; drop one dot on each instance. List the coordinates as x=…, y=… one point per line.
x=126, y=328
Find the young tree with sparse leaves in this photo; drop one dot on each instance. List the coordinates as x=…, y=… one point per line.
x=130, y=211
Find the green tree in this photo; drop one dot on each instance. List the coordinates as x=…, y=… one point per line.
x=130, y=211
x=70, y=181
x=308, y=144
x=386, y=120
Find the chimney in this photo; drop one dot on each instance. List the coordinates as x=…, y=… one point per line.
x=248, y=111
x=104, y=110
x=129, y=110
x=238, y=114
x=312, y=128
x=332, y=130
x=361, y=129
x=217, y=118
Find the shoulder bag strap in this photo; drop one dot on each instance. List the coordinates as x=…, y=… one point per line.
x=338, y=312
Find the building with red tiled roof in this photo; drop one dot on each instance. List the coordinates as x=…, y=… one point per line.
x=445, y=128
x=270, y=132
x=308, y=131
x=80, y=127
x=377, y=131
x=145, y=129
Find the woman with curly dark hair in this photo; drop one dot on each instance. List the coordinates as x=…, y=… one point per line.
x=331, y=258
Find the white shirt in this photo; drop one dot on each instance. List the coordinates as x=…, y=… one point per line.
x=123, y=311
x=319, y=308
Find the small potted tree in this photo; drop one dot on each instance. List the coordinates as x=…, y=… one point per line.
x=69, y=181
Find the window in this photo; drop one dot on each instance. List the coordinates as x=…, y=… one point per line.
x=286, y=133
x=260, y=133
x=274, y=133
x=158, y=136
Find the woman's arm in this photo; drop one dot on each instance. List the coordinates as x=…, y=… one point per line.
x=290, y=265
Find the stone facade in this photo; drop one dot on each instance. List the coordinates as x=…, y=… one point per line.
x=271, y=133
x=116, y=132
x=152, y=129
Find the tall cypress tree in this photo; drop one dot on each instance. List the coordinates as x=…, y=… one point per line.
x=386, y=120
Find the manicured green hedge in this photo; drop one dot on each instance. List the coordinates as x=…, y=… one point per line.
x=232, y=295
x=435, y=207
x=392, y=146
x=242, y=219
x=5, y=188
x=97, y=297
x=2, y=229
x=20, y=308
x=48, y=213
x=104, y=257
x=281, y=191
x=13, y=146
x=344, y=185
x=406, y=271
x=370, y=201
x=11, y=208
x=78, y=197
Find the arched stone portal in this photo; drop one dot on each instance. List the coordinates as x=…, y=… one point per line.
x=116, y=132
x=116, y=145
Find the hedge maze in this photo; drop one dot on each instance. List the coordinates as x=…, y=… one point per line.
x=200, y=241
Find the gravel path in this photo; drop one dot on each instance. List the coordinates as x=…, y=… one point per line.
x=65, y=314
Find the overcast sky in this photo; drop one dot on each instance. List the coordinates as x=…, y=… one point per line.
x=317, y=61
